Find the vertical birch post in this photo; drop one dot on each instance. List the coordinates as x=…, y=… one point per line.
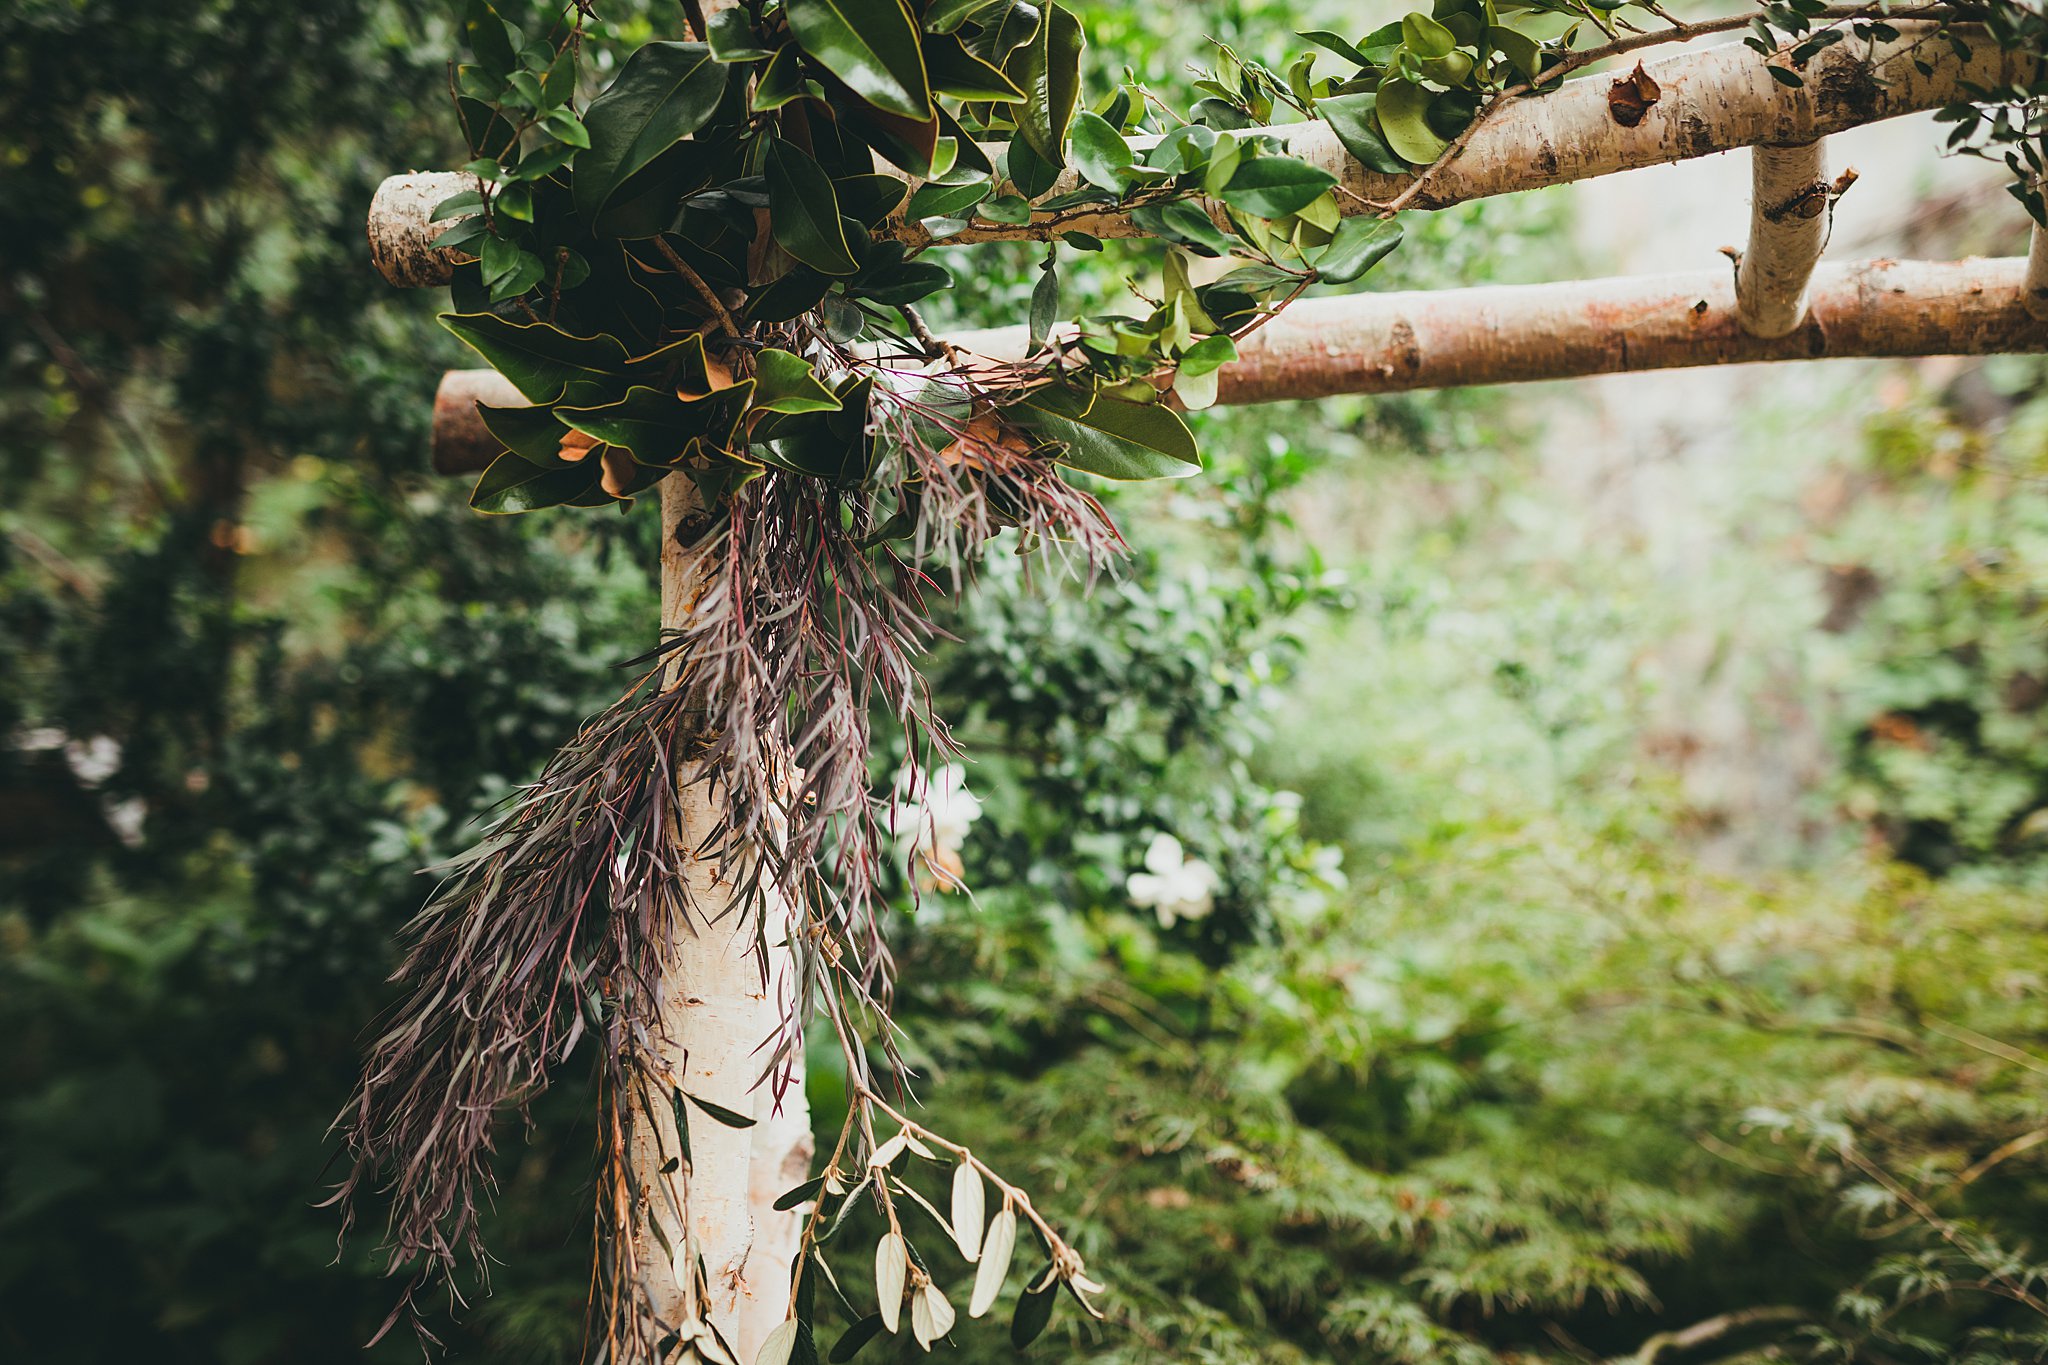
x=717, y=1011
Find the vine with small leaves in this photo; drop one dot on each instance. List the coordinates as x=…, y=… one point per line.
x=710, y=270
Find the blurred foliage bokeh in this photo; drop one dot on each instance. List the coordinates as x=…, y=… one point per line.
x=1487, y=1049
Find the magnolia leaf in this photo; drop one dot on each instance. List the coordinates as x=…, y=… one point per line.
x=1183, y=221
x=781, y=81
x=513, y=484
x=803, y=210
x=1274, y=186
x=872, y=45
x=1403, y=111
x=892, y=1267
x=946, y=201
x=996, y=1249
x=1524, y=53
x=969, y=1205
x=1351, y=118
x=532, y=433
x=540, y=359
x=653, y=424
x=664, y=93
x=1110, y=437
x=956, y=72
x=1208, y=355
x=1031, y=173
x=944, y=16
x=732, y=38
x=1360, y=244
x=786, y=383
x=1048, y=70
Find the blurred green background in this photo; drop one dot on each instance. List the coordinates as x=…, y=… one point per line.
x=1629, y=800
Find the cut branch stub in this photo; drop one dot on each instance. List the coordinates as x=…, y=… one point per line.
x=1709, y=101
x=1506, y=334
x=402, y=232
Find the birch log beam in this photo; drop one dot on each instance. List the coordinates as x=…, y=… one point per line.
x=1712, y=100
x=1512, y=334
x=1789, y=213
x=720, y=1012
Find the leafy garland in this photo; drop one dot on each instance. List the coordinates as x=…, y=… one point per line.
x=711, y=272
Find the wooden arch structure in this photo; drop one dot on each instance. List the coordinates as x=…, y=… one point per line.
x=1777, y=303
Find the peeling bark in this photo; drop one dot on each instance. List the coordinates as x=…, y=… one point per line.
x=401, y=233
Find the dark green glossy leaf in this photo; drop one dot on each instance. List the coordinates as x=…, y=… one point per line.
x=781, y=80
x=1031, y=173
x=803, y=210
x=1048, y=70
x=1045, y=305
x=1258, y=277
x=653, y=424
x=533, y=434
x=1110, y=437
x=802, y=1194
x=512, y=484
x=792, y=296
x=1100, y=153
x=541, y=361
x=905, y=283
x=1403, y=111
x=1360, y=244
x=872, y=45
x=1323, y=38
x=956, y=72
x=665, y=93
x=494, y=41
x=1274, y=186
x=731, y=38
x=946, y=201
x=784, y=382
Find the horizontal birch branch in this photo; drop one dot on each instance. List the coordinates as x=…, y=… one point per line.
x=1711, y=100
x=1511, y=334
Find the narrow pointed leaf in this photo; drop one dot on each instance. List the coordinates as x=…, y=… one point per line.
x=892, y=1266
x=541, y=360
x=718, y=1111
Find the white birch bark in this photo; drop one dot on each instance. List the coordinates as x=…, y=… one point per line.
x=720, y=1008
x=1789, y=213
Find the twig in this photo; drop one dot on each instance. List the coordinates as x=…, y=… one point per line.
x=696, y=281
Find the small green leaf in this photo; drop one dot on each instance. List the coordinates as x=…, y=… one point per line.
x=786, y=383
x=1360, y=244
x=803, y=210
x=872, y=45
x=1274, y=186
x=1403, y=111
x=456, y=205
x=1329, y=41
x=1185, y=222
x=933, y=200
x=1100, y=153
x=1045, y=305
x=1031, y=173
x=781, y=81
x=1351, y=118
x=1426, y=38
x=664, y=93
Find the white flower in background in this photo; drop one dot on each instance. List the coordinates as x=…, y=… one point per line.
x=1173, y=885
x=933, y=815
